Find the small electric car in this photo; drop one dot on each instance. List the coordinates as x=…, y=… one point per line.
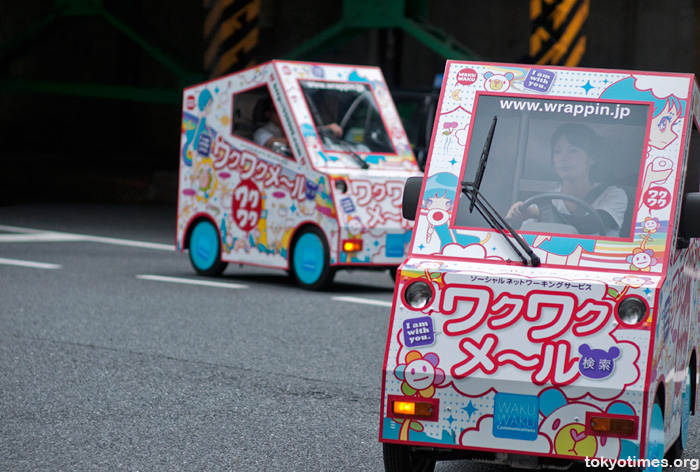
x=296, y=166
x=549, y=309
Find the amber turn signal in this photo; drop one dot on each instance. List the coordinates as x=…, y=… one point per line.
x=352, y=245
x=612, y=425
x=412, y=408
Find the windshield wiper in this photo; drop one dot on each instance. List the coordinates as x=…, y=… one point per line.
x=489, y=213
x=325, y=133
x=361, y=162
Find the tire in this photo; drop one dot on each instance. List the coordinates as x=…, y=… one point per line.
x=310, y=261
x=680, y=444
x=400, y=458
x=655, y=448
x=205, y=249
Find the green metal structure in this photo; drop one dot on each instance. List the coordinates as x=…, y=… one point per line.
x=408, y=16
x=82, y=8
x=358, y=16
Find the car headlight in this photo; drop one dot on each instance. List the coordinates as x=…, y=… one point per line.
x=632, y=310
x=418, y=294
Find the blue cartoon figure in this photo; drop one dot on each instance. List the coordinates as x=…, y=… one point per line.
x=198, y=138
x=439, y=197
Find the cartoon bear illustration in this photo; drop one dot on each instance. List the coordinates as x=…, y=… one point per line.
x=497, y=82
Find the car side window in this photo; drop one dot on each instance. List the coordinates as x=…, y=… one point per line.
x=255, y=118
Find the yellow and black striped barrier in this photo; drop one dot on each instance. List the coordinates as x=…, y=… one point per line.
x=231, y=33
x=557, y=31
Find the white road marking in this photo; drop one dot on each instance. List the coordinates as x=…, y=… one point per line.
x=38, y=238
x=33, y=235
x=365, y=301
x=35, y=265
x=128, y=242
x=178, y=280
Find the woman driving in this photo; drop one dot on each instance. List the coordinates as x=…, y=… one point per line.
x=575, y=150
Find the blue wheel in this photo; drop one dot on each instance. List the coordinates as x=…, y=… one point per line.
x=310, y=264
x=655, y=447
x=205, y=249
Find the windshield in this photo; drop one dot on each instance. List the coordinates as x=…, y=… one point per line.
x=346, y=117
x=558, y=166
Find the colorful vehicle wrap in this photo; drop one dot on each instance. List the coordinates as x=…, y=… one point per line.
x=260, y=199
x=516, y=358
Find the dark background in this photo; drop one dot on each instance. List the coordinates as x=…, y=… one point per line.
x=73, y=143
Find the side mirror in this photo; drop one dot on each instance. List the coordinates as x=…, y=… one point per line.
x=689, y=226
x=411, y=195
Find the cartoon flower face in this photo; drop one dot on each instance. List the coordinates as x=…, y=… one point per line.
x=429, y=265
x=204, y=179
x=634, y=281
x=419, y=373
x=355, y=226
x=651, y=225
x=642, y=259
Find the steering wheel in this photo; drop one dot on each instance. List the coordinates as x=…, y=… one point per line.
x=544, y=202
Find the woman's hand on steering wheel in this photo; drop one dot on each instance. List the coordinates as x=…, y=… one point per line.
x=335, y=129
x=547, y=209
x=519, y=213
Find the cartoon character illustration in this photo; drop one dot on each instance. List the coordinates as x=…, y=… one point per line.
x=554, y=250
x=642, y=259
x=439, y=209
x=651, y=225
x=355, y=226
x=324, y=202
x=497, y=82
x=449, y=128
x=279, y=233
x=564, y=424
x=227, y=238
x=655, y=173
x=205, y=181
x=668, y=105
x=440, y=195
x=198, y=139
x=419, y=374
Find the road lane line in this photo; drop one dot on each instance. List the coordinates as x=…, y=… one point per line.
x=38, y=238
x=35, y=265
x=364, y=301
x=35, y=235
x=130, y=243
x=178, y=280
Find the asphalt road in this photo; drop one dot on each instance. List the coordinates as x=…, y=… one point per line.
x=110, y=360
